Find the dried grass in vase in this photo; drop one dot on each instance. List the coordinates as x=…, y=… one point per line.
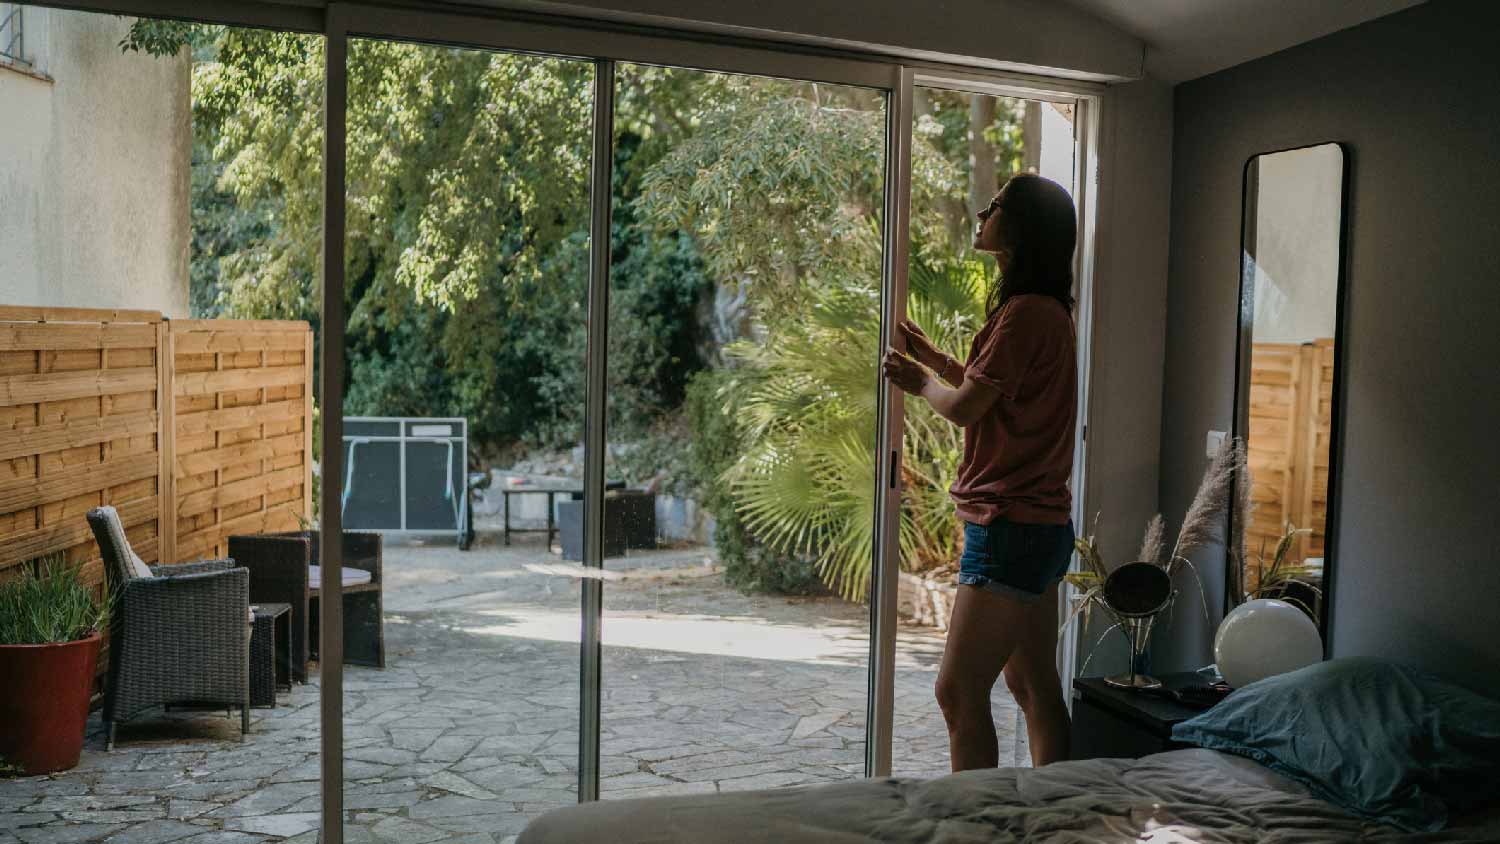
x=1200, y=527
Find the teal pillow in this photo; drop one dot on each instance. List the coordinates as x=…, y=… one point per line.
x=1383, y=741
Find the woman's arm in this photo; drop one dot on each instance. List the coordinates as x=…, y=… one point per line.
x=962, y=406
x=920, y=347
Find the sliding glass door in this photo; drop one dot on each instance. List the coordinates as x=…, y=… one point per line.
x=742, y=387
x=966, y=144
x=466, y=286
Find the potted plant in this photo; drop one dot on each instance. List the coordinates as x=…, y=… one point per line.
x=50, y=626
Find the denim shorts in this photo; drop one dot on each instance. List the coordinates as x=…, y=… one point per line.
x=1021, y=560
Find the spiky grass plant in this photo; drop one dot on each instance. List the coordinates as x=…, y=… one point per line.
x=48, y=604
x=1275, y=575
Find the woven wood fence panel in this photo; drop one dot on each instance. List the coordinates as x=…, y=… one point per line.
x=80, y=414
x=82, y=397
x=242, y=443
x=1291, y=400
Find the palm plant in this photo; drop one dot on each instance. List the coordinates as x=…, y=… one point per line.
x=805, y=483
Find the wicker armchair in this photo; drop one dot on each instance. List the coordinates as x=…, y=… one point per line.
x=178, y=636
x=280, y=572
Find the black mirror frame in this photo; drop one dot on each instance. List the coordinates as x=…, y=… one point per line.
x=1245, y=320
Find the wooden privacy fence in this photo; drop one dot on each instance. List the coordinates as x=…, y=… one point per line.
x=192, y=429
x=1291, y=414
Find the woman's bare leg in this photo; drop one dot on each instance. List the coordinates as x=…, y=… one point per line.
x=982, y=633
x=1031, y=675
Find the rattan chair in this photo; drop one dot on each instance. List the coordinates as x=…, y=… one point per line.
x=178, y=636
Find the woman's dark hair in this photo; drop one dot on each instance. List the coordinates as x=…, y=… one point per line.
x=1042, y=228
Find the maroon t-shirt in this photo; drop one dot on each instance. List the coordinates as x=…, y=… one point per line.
x=1018, y=458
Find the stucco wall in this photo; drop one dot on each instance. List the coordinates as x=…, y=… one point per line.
x=94, y=170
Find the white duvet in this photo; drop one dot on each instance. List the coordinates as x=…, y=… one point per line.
x=1183, y=796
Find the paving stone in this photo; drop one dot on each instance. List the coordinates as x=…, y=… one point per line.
x=670, y=790
x=382, y=800
x=283, y=825
x=449, y=749
x=381, y=755
x=184, y=809
x=414, y=739
x=406, y=831
x=73, y=803
x=810, y=724
x=222, y=837
x=710, y=775
x=67, y=833
x=154, y=832
x=759, y=781
x=115, y=816
x=449, y=781
x=265, y=801
x=13, y=820
x=454, y=805
x=492, y=824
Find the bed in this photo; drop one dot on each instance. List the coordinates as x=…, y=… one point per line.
x=1181, y=796
x=1306, y=776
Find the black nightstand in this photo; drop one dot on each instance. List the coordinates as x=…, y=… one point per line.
x=1114, y=722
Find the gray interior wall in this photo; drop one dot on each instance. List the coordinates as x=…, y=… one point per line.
x=1413, y=96
x=1130, y=310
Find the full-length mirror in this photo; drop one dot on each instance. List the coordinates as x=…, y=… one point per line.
x=1290, y=292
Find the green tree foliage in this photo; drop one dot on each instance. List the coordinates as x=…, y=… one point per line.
x=467, y=225
x=467, y=249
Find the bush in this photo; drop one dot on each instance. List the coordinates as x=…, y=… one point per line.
x=716, y=442
x=48, y=604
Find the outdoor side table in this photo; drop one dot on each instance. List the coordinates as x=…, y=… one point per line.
x=270, y=653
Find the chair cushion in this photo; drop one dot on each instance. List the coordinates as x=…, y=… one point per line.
x=351, y=577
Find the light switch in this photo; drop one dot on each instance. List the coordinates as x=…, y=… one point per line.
x=1215, y=442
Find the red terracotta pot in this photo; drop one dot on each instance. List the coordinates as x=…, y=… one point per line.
x=45, y=703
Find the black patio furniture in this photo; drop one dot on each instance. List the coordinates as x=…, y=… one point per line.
x=284, y=568
x=270, y=653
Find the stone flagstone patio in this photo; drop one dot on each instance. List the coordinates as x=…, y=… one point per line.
x=471, y=731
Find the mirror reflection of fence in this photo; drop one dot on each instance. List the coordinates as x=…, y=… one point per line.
x=1289, y=299
x=1291, y=397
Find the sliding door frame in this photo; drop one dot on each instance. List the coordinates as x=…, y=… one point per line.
x=604, y=44
x=1085, y=97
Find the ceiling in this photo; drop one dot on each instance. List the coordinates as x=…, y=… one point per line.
x=1190, y=38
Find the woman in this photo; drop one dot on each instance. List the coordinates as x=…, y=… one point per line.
x=1015, y=397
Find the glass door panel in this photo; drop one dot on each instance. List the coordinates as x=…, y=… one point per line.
x=964, y=147
x=742, y=376
x=466, y=294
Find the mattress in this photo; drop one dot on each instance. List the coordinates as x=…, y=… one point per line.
x=1182, y=796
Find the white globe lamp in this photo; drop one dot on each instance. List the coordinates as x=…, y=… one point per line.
x=1263, y=638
